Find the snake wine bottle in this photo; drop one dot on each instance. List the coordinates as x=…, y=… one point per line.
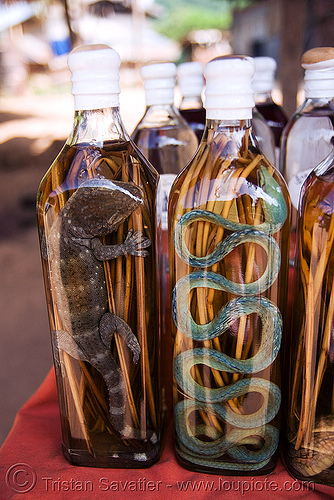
x=309, y=436
x=228, y=234
x=97, y=226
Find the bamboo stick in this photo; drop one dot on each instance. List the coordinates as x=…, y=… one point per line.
x=323, y=355
x=141, y=324
x=248, y=276
x=120, y=349
x=204, y=235
x=67, y=363
x=76, y=399
x=312, y=295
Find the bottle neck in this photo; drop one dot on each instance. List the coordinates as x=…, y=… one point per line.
x=320, y=101
x=97, y=126
x=157, y=115
x=158, y=96
x=236, y=132
x=191, y=102
x=319, y=83
x=310, y=103
x=263, y=97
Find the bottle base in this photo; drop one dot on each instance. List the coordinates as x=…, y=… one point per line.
x=303, y=468
x=325, y=477
x=119, y=460
x=221, y=471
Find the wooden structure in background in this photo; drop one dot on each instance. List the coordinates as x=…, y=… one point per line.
x=284, y=29
x=293, y=24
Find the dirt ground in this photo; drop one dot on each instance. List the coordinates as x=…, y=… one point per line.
x=33, y=128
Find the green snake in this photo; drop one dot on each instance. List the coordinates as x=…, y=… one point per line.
x=214, y=400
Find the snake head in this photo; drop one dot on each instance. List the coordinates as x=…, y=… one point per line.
x=274, y=204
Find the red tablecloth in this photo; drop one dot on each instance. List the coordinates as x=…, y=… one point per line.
x=33, y=467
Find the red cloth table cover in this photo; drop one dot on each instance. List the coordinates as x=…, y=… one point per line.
x=32, y=466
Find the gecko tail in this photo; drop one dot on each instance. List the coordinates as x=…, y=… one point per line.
x=117, y=394
x=118, y=417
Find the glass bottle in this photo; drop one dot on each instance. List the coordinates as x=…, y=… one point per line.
x=307, y=137
x=168, y=142
x=264, y=136
x=162, y=135
x=263, y=83
x=228, y=237
x=97, y=227
x=191, y=84
x=309, y=436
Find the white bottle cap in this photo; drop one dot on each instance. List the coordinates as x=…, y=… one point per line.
x=319, y=72
x=159, y=82
x=264, y=76
x=95, y=76
x=229, y=93
x=190, y=79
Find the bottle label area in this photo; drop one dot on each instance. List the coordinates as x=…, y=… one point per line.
x=165, y=184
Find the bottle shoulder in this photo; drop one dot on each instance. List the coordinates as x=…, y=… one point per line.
x=112, y=160
x=306, y=140
x=161, y=116
x=211, y=180
x=311, y=108
x=167, y=146
x=309, y=124
x=317, y=194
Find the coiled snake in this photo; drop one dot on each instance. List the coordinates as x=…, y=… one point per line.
x=214, y=400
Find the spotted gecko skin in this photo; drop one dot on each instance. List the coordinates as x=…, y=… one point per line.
x=76, y=256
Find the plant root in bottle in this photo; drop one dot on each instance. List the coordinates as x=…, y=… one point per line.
x=309, y=437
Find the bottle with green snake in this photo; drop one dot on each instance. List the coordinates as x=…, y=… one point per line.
x=229, y=222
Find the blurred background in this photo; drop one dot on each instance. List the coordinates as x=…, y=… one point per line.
x=36, y=112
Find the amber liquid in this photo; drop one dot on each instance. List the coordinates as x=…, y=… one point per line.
x=211, y=182
x=275, y=118
x=89, y=437
x=168, y=148
x=196, y=119
x=309, y=440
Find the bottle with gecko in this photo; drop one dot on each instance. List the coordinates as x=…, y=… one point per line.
x=97, y=226
x=229, y=228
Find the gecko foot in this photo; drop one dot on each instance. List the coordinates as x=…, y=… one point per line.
x=134, y=244
x=111, y=323
x=132, y=343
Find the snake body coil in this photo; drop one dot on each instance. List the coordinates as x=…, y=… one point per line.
x=214, y=400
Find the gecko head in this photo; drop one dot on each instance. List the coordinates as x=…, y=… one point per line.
x=99, y=206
